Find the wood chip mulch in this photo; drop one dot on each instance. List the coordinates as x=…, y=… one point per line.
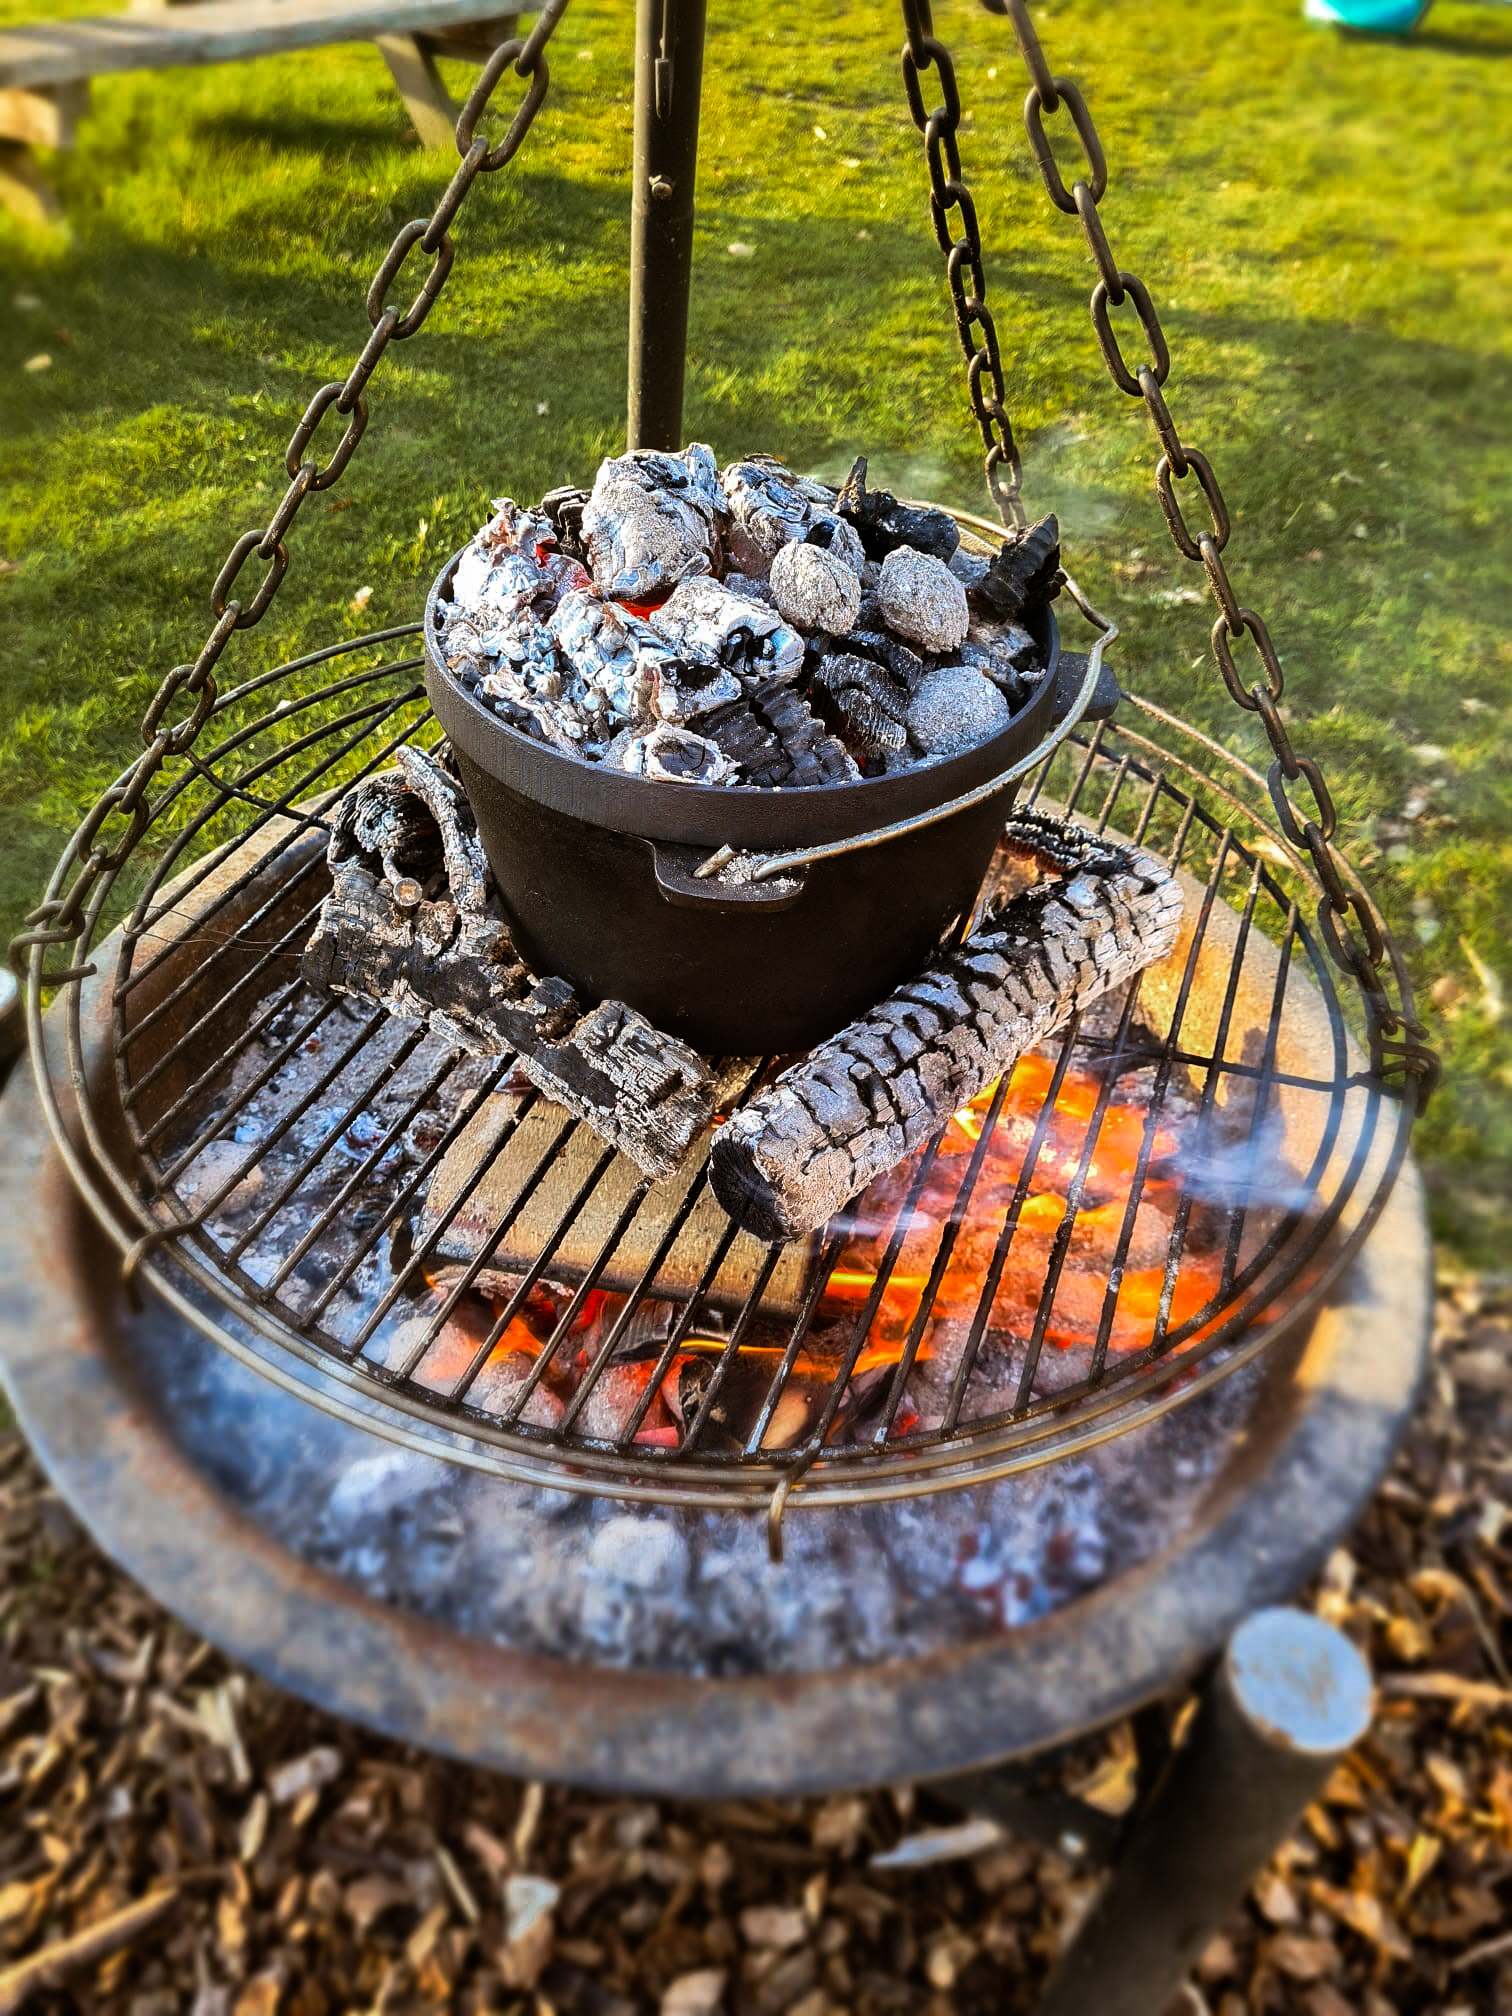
x=177, y=1836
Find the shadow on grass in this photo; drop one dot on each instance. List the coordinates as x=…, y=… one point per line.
x=1445, y=40
x=354, y=139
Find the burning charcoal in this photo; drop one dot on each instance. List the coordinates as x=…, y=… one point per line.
x=522, y=670
x=771, y=507
x=506, y=566
x=922, y=600
x=674, y=755
x=653, y=520
x=1025, y=571
x=565, y=510
x=955, y=707
x=872, y=699
x=863, y=1100
x=704, y=624
x=905, y=665
x=884, y=523
x=616, y=656
x=683, y=692
x=752, y=589
x=968, y=568
x=816, y=757
x=814, y=589
x=739, y=733
x=452, y=964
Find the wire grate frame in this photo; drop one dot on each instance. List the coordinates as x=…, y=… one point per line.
x=270, y=1174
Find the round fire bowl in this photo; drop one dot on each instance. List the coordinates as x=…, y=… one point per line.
x=161, y=1444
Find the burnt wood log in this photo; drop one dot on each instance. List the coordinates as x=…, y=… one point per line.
x=866, y=1098
x=418, y=931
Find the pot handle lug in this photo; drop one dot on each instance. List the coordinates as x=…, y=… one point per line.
x=679, y=882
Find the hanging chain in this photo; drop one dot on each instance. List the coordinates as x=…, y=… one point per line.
x=237, y=607
x=1346, y=920
x=963, y=256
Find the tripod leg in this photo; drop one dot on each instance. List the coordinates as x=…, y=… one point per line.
x=1289, y=1697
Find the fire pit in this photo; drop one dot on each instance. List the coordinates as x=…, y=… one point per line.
x=415, y=1391
x=1137, y=1211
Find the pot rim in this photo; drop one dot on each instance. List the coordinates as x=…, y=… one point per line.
x=765, y=817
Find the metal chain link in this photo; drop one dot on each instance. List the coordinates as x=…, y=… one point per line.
x=963, y=256
x=1348, y=924
x=59, y=921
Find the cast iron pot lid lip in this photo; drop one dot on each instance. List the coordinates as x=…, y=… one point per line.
x=710, y=814
x=656, y=1734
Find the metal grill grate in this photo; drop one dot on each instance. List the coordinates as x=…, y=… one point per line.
x=278, y=1150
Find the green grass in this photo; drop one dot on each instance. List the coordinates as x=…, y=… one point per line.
x=1322, y=221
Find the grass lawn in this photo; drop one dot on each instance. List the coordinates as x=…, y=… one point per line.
x=1323, y=223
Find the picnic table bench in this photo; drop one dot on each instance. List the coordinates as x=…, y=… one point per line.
x=46, y=69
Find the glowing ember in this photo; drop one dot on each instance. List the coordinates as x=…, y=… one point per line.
x=654, y=1393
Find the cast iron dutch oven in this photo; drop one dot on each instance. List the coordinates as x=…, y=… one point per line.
x=596, y=870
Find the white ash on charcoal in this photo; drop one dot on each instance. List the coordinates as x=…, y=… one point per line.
x=858, y=1103
x=770, y=508
x=447, y=959
x=815, y=590
x=708, y=589
x=883, y=523
x=955, y=707
x=922, y=600
x=706, y=625
x=671, y=755
x=653, y=520
x=616, y=656
x=1010, y=660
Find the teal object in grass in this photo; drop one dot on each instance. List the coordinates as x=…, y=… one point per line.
x=1371, y=17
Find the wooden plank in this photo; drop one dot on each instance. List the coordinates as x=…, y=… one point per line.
x=219, y=31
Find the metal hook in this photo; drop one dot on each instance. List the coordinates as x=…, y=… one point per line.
x=662, y=73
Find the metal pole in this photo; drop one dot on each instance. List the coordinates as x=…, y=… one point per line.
x=1286, y=1701
x=669, y=39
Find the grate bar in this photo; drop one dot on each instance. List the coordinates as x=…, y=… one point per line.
x=365, y=1169
x=480, y=1260
x=314, y=1156
x=1115, y=776
x=527, y=1282
x=569, y=1316
x=401, y=1206
x=636, y=1418
x=946, y=1248
x=1008, y=1230
x=372, y=716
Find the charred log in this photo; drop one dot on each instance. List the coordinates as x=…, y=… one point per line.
x=447, y=959
x=564, y=508
x=859, y=1103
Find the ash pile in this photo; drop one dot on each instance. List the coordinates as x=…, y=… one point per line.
x=744, y=626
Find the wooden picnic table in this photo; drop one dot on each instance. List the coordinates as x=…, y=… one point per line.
x=46, y=68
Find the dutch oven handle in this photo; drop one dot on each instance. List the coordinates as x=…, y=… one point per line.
x=680, y=880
